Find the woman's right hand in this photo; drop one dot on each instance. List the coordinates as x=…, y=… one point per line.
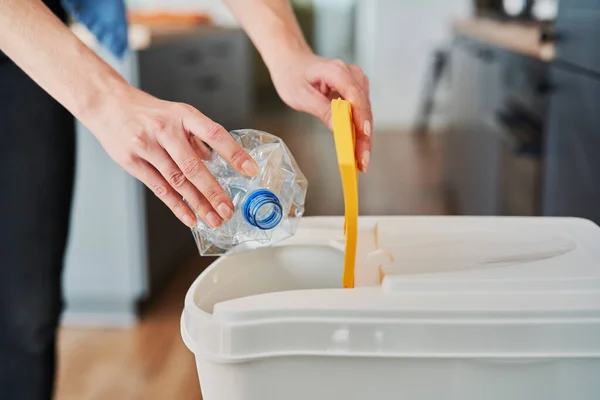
x=162, y=144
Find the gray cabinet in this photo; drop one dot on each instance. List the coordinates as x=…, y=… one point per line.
x=485, y=142
x=526, y=142
x=209, y=68
x=458, y=122
x=473, y=147
x=494, y=157
x=572, y=182
x=577, y=31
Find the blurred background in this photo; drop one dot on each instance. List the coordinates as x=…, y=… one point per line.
x=481, y=107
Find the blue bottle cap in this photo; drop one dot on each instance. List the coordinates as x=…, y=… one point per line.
x=263, y=209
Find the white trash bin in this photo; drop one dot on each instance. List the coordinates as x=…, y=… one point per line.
x=469, y=308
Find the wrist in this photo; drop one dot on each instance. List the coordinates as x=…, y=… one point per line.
x=98, y=96
x=286, y=55
x=282, y=48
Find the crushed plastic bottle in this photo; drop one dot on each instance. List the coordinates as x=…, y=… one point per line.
x=267, y=207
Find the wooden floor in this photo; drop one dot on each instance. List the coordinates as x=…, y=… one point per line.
x=150, y=362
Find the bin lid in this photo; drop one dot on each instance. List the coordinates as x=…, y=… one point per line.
x=493, y=287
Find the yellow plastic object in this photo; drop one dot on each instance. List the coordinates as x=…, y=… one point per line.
x=345, y=138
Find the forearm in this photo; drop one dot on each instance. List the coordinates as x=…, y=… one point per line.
x=272, y=27
x=54, y=57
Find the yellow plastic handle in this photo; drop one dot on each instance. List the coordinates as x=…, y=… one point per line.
x=345, y=138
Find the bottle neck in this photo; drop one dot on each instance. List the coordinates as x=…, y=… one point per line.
x=263, y=209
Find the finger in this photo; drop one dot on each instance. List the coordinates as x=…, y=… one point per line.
x=325, y=90
x=200, y=148
x=321, y=106
x=179, y=149
x=342, y=80
x=150, y=177
x=314, y=102
x=363, y=142
x=360, y=78
x=363, y=152
x=221, y=141
x=161, y=160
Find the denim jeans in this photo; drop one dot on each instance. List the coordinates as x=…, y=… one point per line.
x=37, y=152
x=106, y=19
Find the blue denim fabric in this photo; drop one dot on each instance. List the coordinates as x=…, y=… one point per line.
x=106, y=19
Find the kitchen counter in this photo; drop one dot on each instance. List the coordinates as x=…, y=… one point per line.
x=142, y=36
x=522, y=38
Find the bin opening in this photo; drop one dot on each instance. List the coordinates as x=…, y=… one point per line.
x=267, y=270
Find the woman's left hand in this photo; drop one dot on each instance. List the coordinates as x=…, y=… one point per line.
x=307, y=83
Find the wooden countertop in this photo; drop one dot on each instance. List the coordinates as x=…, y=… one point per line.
x=143, y=36
x=518, y=37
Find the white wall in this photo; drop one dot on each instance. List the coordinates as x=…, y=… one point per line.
x=334, y=39
x=395, y=42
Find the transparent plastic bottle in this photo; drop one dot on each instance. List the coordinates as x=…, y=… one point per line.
x=267, y=207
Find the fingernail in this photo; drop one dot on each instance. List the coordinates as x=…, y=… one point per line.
x=250, y=167
x=189, y=220
x=366, y=158
x=367, y=128
x=213, y=219
x=225, y=211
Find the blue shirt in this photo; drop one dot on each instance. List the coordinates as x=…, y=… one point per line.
x=106, y=19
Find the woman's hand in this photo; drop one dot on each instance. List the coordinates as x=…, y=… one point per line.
x=307, y=82
x=162, y=144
